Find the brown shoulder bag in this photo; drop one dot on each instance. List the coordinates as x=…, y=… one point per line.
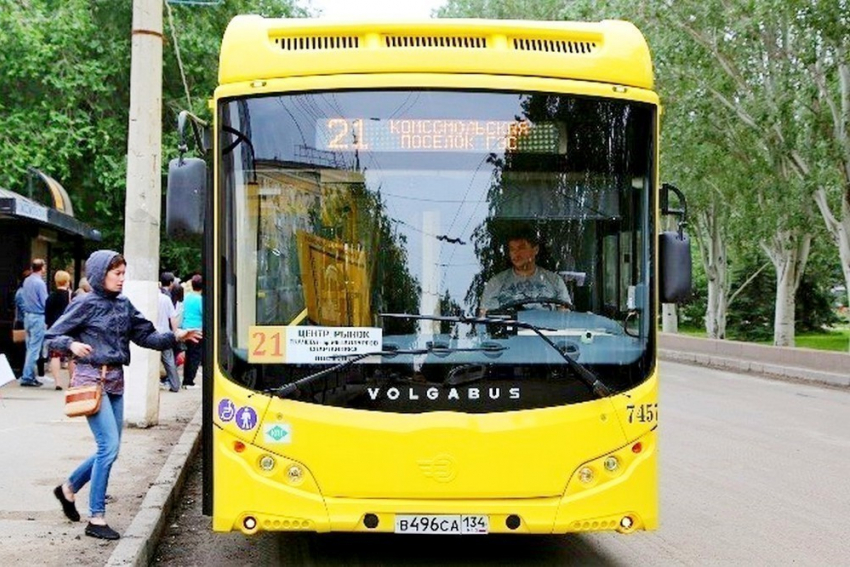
x=85, y=400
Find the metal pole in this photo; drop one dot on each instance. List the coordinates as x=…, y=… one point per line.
x=143, y=205
x=78, y=262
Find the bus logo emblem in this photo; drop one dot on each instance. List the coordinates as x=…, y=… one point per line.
x=441, y=468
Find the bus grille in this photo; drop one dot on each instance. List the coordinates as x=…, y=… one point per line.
x=554, y=46
x=317, y=43
x=306, y=43
x=436, y=41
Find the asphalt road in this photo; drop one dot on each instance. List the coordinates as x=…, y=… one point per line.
x=753, y=472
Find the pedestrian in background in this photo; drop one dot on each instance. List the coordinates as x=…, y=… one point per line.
x=193, y=320
x=166, y=321
x=177, y=296
x=19, y=302
x=33, y=298
x=54, y=307
x=82, y=288
x=97, y=328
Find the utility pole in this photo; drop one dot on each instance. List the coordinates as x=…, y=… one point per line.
x=143, y=205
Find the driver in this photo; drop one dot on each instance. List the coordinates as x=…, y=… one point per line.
x=525, y=280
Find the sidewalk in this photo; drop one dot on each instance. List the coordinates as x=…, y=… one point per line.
x=40, y=447
x=808, y=365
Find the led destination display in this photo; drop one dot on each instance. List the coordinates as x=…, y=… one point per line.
x=439, y=135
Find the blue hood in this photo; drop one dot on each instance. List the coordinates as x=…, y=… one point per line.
x=96, y=268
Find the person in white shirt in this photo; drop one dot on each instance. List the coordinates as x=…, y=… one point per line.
x=524, y=281
x=167, y=321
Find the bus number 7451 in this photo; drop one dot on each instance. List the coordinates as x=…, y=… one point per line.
x=643, y=413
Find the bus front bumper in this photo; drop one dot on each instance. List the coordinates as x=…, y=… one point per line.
x=281, y=495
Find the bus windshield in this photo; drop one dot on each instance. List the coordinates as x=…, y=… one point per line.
x=378, y=222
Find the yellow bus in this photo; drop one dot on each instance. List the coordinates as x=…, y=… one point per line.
x=432, y=268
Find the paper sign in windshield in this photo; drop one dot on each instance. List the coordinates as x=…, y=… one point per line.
x=310, y=345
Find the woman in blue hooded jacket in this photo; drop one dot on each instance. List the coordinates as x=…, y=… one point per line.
x=97, y=329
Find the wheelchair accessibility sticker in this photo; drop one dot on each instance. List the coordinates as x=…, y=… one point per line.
x=226, y=410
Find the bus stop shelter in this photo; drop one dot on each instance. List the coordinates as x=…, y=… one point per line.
x=41, y=225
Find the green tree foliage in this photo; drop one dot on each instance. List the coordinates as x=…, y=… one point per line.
x=449, y=307
x=815, y=299
x=63, y=102
x=815, y=310
x=752, y=317
x=692, y=313
x=64, y=96
x=502, y=9
x=751, y=91
x=749, y=60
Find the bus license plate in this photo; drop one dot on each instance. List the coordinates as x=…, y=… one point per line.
x=441, y=524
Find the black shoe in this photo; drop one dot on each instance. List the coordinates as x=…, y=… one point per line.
x=68, y=507
x=101, y=532
x=31, y=384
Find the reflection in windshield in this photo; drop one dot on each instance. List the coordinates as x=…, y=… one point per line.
x=345, y=205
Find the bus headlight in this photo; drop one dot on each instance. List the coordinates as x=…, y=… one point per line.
x=295, y=474
x=267, y=463
x=585, y=474
x=612, y=463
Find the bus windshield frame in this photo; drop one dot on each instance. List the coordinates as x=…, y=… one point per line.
x=334, y=202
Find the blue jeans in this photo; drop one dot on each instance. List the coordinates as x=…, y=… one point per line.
x=35, y=328
x=106, y=426
x=170, y=365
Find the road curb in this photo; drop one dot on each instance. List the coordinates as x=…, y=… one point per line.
x=139, y=541
x=757, y=368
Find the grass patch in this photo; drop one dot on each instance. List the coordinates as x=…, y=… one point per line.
x=693, y=332
x=834, y=339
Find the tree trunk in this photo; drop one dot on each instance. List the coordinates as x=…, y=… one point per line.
x=789, y=252
x=838, y=230
x=715, y=314
x=715, y=263
x=785, y=307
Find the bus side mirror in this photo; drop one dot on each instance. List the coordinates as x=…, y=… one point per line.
x=674, y=252
x=185, y=197
x=187, y=183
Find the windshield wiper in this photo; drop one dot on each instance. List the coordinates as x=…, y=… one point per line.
x=584, y=374
x=350, y=359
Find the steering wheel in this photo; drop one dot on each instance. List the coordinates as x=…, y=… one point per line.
x=518, y=303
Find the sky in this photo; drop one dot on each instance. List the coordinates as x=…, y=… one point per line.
x=381, y=9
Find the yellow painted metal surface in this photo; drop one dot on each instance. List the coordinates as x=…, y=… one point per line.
x=354, y=463
x=436, y=81
x=614, y=52
x=525, y=454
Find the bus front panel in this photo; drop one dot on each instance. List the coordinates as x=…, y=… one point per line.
x=436, y=302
